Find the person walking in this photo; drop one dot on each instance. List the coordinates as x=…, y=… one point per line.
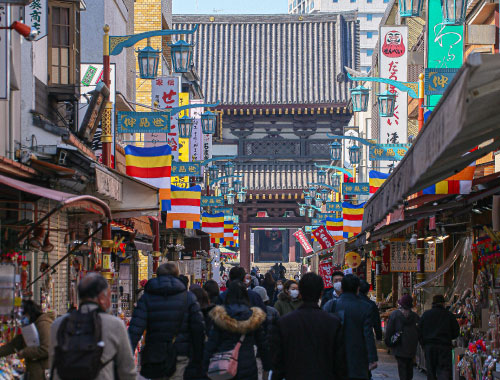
x=239, y=274
x=171, y=317
x=271, y=313
x=308, y=343
x=437, y=328
x=336, y=291
x=402, y=336
x=269, y=284
x=356, y=317
x=212, y=288
x=364, y=288
x=289, y=299
x=237, y=321
x=278, y=288
x=36, y=357
x=72, y=334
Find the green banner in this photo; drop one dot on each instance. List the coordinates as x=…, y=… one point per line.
x=207, y=201
x=192, y=169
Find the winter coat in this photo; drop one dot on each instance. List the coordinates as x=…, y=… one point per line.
x=328, y=295
x=158, y=312
x=286, y=304
x=255, y=299
x=37, y=357
x=377, y=323
x=269, y=289
x=308, y=344
x=407, y=323
x=117, y=352
x=355, y=315
x=230, y=322
x=272, y=317
x=438, y=327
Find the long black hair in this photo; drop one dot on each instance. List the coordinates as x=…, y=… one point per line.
x=32, y=310
x=237, y=294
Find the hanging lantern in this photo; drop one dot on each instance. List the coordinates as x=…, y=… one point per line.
x=354, y=154
x=454, y=11
x=359, y=98
x=335, y=151
x=229, y=168
x=182, y=56
x=321, y=176
x=237, y=184
x=410, y=8
x=149, y=59
x=213, y=171
x=308, y=200
x=242, y=196
x=302, y=210
x=224, y=187
x=208, y=122
x=185, y=124
x=324, y=194
x=230, y=198
x=312, y=191
x=310, y=213
x=317, y=201
x=386, y=104
x=336, y=179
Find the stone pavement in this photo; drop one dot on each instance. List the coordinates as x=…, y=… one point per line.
x=388, y=368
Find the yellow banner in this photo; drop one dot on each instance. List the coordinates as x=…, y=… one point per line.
x=183, y=144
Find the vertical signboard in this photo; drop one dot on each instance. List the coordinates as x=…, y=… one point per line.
x=196, y=140
x=183, y=143
x=4, y=53
x=445, y=44
x=394, y=65
x=36, y=17
x=165, y=91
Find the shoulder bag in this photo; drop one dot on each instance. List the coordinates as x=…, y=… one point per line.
x=224, y=365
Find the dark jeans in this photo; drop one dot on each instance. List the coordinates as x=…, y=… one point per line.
x=405, y=368
x=438, y=362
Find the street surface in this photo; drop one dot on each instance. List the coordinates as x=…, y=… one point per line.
x=388, y=368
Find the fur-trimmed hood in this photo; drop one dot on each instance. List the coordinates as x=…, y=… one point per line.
x=232, y=321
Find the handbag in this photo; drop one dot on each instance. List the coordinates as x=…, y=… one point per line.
x=224, y=365
x=160, y=364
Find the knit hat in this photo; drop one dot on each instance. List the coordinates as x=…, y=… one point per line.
x=406, y=301
x=262, y=293
x=438, y=299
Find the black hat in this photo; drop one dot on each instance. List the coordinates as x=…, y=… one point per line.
x=438, y=299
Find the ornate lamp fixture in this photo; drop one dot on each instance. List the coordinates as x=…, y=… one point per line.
x=182, y=56
x=185, y=127
x=208, y=122
x=386, y=104
x=354, y=154
x=335, y=151
x=359, y=98
x=149, y=59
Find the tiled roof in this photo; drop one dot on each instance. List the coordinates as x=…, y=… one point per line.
x=274, y=59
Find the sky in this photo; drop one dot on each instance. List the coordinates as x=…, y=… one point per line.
x=229, y=6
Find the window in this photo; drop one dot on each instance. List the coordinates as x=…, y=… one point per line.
x=369, y=17
x=369, y=34
x=369, y=52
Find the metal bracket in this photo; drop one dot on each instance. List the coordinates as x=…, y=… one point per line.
x=410, y=87
x=345, y=171
x=322, y=184
x=214, y=181
x=361, y=140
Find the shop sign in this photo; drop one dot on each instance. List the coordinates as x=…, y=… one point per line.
x=197, y=269
x=325, y=270
x=334, y=206
x=108, y=185
x=196, y=140
x=91, y=75
x=207, y=201
x=7, y=287
x=352, y=259
x=4, y=54
x=320, y=218
x=437, y=80
x=36, y=17
x=388, y=152
x=323, y=237
x=192, y=169
x=359, y=188
x=228, y=211
x=299, y=235
x=403, y=259
x=394, y=65
x=142, y=122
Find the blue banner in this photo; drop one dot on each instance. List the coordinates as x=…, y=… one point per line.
x=388, y=152
x=228, y=211
x=192, y=169
x=436, y=80
x=211, y=201
x=334, y=206
x=143, y=122
x=358, y=188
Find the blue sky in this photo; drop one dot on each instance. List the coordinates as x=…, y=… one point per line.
x=229, y=6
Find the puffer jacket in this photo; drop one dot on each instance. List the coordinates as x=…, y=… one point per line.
x=286, y=304
x=230, y=322
x=405, y=321
x=164, y=302
x=37, y=357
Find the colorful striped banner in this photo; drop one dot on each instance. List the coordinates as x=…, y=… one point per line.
x=353, y=218
x=460, y=183
x=335, y=227
x=376, y=180
x=185, y=211
x=228, y=233
x=213, y=224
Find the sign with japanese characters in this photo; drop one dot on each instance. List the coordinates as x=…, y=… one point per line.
x=334, y=206
x=207, y=201
x=192, y=169
x=143, y=122
x=388, y=152
x=228, y=211
x=437, y=80
x=356, y=188
x=394, y=65
x=196, y=140
x=323, y=237
x=321, y=218
x=4, y=54
x=404, y=259
x=91, y=75
x=36, y=17
x=325, y=270
x=304, y=242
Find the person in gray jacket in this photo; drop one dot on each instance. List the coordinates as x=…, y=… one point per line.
x=94, y=293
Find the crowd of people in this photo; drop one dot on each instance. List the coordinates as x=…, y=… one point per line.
x=275, y=328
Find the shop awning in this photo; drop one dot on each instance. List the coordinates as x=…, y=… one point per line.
x=466, y=116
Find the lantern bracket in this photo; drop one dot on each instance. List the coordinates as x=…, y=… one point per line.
x=225, y=177
x=362, y=141
x=410, y=87
x=323, y=185
x=218, y=158
x=345, y=171
x=118, y=43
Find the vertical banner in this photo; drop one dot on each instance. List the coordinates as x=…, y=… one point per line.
x=323, y=237
x=165, y=91
x=299, y=235
x=207, y=147
x=36, y=17
x=196, y=140
x=325, y=270
x=394, y=65
x=183, y=143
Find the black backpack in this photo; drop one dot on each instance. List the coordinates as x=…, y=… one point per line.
x=79, y=347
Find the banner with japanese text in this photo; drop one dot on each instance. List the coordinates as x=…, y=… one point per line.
x=196, y=140
x=323, y=237
x=183, y=143
x=304, y=242
x=325, y=270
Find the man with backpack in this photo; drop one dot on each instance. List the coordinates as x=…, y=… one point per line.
x=174, y=325
x=88, y=343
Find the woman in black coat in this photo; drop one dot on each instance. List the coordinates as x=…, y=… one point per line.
x=233, y=320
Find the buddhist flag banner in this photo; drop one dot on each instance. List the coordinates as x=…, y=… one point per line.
x=460, y=183
x=353, y=218
x=153, y=166
x=376, y=180
x=236, y=236
x=185, y=210
x=228, y=233
x=335, y=226
x=213, y=224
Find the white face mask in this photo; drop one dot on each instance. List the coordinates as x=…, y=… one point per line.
x=294, y=293
x=337, y=286
x=247, y=282
x=280, y=287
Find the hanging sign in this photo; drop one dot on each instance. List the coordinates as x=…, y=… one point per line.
x=437, y=80
x=323, y=237
x=196, y=140
x=388, y=152
x=357, y=188
x=403, y=259
x=36, y=17
x=352, y=259
x=143, y=122
x=207, y=201
x=192, y=169
x=325, y=270
x=228, y=211
x=334, y=206
x=299, y=235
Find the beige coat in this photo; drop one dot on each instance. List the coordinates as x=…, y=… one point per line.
x=116, y=344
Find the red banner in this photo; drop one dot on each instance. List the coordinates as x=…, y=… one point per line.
x=299, y=235
x=325, y=271
x=323, y=237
